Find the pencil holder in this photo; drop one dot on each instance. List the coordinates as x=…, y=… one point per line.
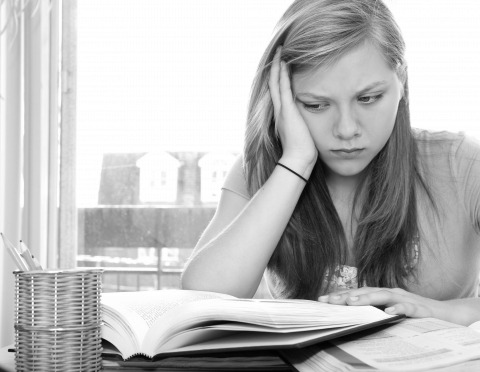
x=58, y=320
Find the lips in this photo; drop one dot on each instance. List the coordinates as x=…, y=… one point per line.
x=348, y=153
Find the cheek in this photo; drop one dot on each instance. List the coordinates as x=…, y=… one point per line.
x=316, y=123
x=319, y=128
x=383, y=120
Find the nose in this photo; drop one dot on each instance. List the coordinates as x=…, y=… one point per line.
x=347, y=124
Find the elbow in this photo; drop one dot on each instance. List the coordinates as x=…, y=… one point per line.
x=195, y=280
x=214, y=277
x=186, y=282
x=190, y=280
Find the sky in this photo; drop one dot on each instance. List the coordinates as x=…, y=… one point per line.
x=176, y=75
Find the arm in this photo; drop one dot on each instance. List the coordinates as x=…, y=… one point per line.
x=234, y=251
x=463, y=311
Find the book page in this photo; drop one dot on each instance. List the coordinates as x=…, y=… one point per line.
x=210, y=338
x=131, y=314
x=273, y=315
x=415, y=344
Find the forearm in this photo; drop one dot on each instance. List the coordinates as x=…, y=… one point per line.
x=463, y=311
x=234, y=260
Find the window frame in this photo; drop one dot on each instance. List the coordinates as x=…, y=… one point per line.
x=29, y=125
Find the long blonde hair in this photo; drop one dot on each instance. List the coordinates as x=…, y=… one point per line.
x=316, y=33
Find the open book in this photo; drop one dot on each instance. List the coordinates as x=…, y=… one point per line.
x=182, y=322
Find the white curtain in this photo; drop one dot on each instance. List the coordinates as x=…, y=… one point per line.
x=29, y=128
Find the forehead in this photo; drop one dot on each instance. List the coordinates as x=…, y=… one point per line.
x=351, y=72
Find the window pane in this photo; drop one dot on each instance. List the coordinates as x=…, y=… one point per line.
x=161, y=105
x=162, y=93
x=443, y=55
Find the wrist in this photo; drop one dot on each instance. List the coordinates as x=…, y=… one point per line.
x=463, y=311
x=300, y=166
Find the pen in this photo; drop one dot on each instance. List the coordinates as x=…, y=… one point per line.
x=17, y=259
x=28, y=257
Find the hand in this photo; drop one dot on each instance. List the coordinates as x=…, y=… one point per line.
x=298, y=147
x=397, y=301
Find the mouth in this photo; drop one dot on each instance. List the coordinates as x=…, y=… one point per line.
x=348, y=153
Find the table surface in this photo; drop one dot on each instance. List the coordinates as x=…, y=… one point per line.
x=7, y=362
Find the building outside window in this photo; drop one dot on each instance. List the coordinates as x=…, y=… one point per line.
x=214, y=168
x=158, y=178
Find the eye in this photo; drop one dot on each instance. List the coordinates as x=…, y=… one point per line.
x=316, y=107
x=367, y=100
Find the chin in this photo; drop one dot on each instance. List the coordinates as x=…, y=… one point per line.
x=348, y=170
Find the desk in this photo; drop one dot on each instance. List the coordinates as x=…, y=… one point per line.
x=7, y=364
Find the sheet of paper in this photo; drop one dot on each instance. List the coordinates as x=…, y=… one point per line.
x=475, y=326
x=332, y=359
x=415, y=344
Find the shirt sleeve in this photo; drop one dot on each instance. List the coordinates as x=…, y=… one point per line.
x=466, y=167
x=235, y=180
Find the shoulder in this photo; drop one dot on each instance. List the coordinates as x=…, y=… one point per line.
x=438, y=142
x=446, y=149
x=450, y=164
x=235, y=180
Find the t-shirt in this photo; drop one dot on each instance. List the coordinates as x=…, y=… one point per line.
x=449, y=243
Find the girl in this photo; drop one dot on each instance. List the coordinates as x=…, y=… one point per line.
x=336, y=198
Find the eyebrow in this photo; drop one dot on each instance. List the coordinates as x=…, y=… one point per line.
x=375, y=84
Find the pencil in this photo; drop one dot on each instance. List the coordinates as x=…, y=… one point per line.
x=38, y=266
x=17, y=259
x=27, y=256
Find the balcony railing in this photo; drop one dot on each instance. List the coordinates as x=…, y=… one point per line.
x=141, y=247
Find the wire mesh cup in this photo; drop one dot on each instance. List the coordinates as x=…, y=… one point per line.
x=58, y=320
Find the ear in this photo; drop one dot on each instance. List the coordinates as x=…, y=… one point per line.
x=402, y=90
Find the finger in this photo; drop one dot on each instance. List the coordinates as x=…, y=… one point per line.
x=381, y=297
x=286, y=95
x=343, y=294
x=324, y=298
x=410, y=309
x=357, y=291
x=273, y=81
x=337, y=298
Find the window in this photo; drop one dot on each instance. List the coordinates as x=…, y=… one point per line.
x=162, y=90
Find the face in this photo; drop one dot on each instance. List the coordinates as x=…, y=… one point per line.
x=350, y=109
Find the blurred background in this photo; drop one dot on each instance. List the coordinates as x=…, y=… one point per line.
x=162, y=91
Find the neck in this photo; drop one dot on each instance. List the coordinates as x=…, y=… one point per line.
x=342, y=188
